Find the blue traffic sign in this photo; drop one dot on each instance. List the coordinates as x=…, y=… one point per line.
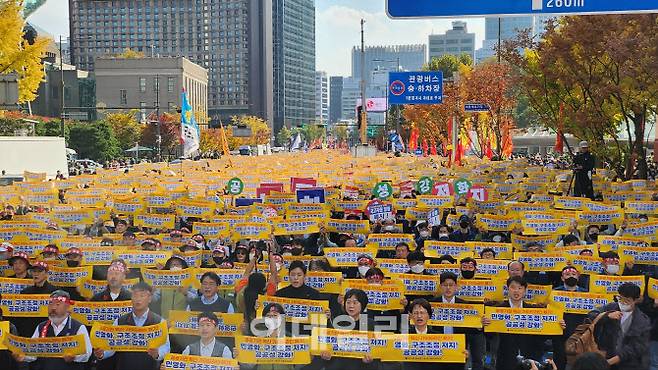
x=479, y=8
x=415, y=87
x=476, y=107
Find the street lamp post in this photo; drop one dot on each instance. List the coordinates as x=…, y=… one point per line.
x=61, y=73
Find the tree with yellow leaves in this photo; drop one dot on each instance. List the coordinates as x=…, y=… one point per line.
x=17, y=55
x=129, y=53
x=260, y=132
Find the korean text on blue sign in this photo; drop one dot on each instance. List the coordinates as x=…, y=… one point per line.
x=415, y=87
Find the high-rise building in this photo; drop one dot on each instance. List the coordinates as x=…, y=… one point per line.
x=411, y=58
x=351, y=94
x=294, y=62
x=230, y=38
x=456, y=41
x=321, y=98
x=509, y=30
x=335, y=99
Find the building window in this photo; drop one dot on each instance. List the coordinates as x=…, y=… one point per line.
x=123, y=97
x=142, y=84
x=142, y=111
x=171, y=83
x=156, y=83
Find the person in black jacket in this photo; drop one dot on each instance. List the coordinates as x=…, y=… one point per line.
x=583, y=163
x=632, y=348
x=116, y=276
x=39, y=271
x=6, y=357
x=355, y=304
x=298, y=287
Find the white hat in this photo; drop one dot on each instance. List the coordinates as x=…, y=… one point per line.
x=583, y=144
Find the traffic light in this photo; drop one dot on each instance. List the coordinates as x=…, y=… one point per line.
x=359, y=116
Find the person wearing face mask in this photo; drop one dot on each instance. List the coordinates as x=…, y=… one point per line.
x=50, y=253
x=466, y=232
x=59, y=324
x=241, y=254
x=166, y=300
x=611, y=265
x=73, y=257
x=570, y=279
x=468, y=267
x=443, y=233
x=200, y=241
x=364, y=263
x=270, y=326
x=218, y=257
x=41, y=285
x=632, y=346
x=190, y=245
x=592, y=234
x=423, y=233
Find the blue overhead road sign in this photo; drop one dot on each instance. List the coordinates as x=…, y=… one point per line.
x=476, y=107
x=479, y=8
x=415, y=87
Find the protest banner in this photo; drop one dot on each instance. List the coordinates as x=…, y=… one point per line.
x=503, y=250
x=186, y=323
x=211, y=229
x=251, y=230
x=80, y=243
x=404, y=203
x=547, y=241
x=341, y=343
x=349, y=205
x=127, y=338
x=435, y=248
x=156, y=200
x=438, y=269
x=653, y=288
x=297, y=227
x=280, y=199
x=546, y=227
x=25, y=305
x=640, y=254
x=417, y=213
x=75, y=217
x=297, y=310
x=578, y=302
x=569, y=203
x=389, y=241
x=324, y=282
x=282, y=351
x=231, y=220
x=587, y=264
x=173, y=361
x=607, y=243
x=305, y=207
x=615, y=217
x=228, y=277
x=461, y=315
x=56, y=347
x=534, y=293
x=524, y=208
x=440, y=348
x=138, y=258
x=393, y=266
x=496, y=222
x=644, y=230
x=155, y=221
x=346, y=257
x=348, y=226
x=377, y=210
x=644, y=208
x=533, y=321
x=68, y=276
x=607, y=284
x=14, y=285
x=31, y=248
x=128, y=205
x=105, y=312
x=380, y=297
x=434, y=201
x=49, y=236
x=415, y=284
x=168, y=279
x=477, y=290
x=4, y=330
x=491, y=269
x=542, y=261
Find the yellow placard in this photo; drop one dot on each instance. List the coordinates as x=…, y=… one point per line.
x=415, y=284
x=477, y=290
x=297, y=310
x=607, y=243
x=4, y=330
x=645, y=208
x=535, y=321
x=380, y=297
x=569, y=203
x=587, y=264
x=348, y=226
x=104, y=312
x=346, y=257
x=296, y=227
x=341, y=343
x=251, y=230
x=542, y=261
x=76, y=217
x=644, y=230
x=607, y=284
x=195, y=208
x=435, y=248
x=519, y=241
x=25, y=305
x=98, y=255
x=534, y=293
x=600, y=217
x=578, y=302
x=68, y=276
x=440, y=348
x=641, y=255
x=173, y=361
x=89, y=288
x=289, y=351
x=155, y=221
x=14, y=285
x=185, y=323
x=57, y=347
x=324, y=282
x=492, y=269
x=128, y=338
x=389, y=241
x=227, y=276
x=546, y=227
x=168, y=279
x=496, y=222
x=462, y=315
x=139, y=258
x=211, y=229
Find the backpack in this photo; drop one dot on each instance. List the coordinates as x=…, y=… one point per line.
x=584, y=339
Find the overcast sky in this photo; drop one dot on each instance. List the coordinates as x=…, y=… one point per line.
x=337, y=29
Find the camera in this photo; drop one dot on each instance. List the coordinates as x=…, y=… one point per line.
x=526, y=364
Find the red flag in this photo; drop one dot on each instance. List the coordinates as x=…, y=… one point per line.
x=459, y=153
x=432, y=147
x=487, y=151
x=559, y=143
x=425, y=148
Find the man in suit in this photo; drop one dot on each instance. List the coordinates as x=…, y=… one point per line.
x=511, y=345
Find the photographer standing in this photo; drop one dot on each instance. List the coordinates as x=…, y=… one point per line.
x=583, y=164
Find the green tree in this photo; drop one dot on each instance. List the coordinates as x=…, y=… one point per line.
x=126, y=128
x=169, y=134
x=94, y=140
x=283, y=136
x=18, y=55
x=312, y=132
x=341, y=133
x=448, y=64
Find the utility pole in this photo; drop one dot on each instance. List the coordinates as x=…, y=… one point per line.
x=61, y=74
x=399, y=123
x=364, y=106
